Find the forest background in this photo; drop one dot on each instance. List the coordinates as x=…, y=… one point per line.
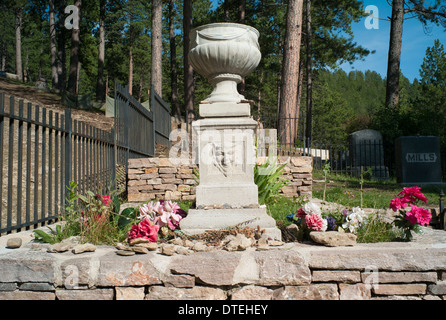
x=338, y=103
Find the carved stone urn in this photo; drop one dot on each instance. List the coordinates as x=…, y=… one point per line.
x=224, y=53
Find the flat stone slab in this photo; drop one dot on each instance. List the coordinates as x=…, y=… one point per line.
x=201, y=220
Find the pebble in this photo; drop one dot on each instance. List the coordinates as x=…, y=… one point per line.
x=167, y=249
x=59, y=247
x=141, y=250
x=14, y=243
x=125, y=253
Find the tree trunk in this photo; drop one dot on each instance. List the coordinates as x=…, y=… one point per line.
x=309, y=38
x=393, y=62
x=188, y=71
x=157, y=46
x=74, y=55
x=3, y=66
x=18, y=43
x=131, y=70
x=130, y=84
x=53, y=46
x=100, y=86
x=61, y=53
x=290, y=73
x=173, y=61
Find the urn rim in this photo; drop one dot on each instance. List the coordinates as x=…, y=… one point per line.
x=225, y=24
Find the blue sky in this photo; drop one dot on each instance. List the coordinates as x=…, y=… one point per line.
x=415, y=43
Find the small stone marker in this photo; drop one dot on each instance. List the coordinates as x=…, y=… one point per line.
x=14, y=243
x=333, y=238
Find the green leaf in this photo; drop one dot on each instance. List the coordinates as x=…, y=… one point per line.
x=41, y=236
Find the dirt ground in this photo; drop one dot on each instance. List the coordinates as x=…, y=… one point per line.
x=53, y=102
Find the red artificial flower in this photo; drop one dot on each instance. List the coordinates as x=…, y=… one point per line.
x=398, y=203
x=413, y=194
x=144, y=229
x=301, y=213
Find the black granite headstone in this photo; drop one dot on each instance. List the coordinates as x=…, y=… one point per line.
x=418, y=160
x=366, y=151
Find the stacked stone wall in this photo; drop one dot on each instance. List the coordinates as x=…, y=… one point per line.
x=291, y=272
x=160, y=178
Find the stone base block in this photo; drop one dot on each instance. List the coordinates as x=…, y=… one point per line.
x=201, y=220
x=224, y=109
x=233, y=195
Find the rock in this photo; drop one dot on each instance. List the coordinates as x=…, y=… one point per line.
x=140, y=250
x=125, y=253
x=14, y=243
x=239, y=243
x=199, y=247
x=263, y=241
x=333, y=238
x=188, y=243
x=168, y=249
x=177, y=241
x=182, y=250
x=121, y=246
x=138, y=240
x=275, y=243
x=59, y=247
x=151, y=246
x=86, y=247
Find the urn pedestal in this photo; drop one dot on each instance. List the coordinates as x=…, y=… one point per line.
x=223, y=139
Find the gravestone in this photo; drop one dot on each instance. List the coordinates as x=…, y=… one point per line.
x=366, y=151
x=223, y=137
x=418, y=160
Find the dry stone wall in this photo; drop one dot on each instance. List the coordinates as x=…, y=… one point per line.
x=294, y=271
x=160, y=178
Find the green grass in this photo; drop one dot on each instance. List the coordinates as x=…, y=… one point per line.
x=376, y=194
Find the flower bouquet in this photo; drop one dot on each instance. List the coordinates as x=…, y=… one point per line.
x=410, y=220
x=155, y=218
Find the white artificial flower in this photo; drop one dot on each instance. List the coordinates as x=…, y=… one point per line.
x=312, y=208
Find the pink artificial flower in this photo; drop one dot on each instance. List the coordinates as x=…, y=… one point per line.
x=314, y=222
x=418, y=215
x=144, y=229
x=398, y=203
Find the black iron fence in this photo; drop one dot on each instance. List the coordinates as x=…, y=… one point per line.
x=42, y=150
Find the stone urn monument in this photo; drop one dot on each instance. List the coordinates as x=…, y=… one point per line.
x=223, y=137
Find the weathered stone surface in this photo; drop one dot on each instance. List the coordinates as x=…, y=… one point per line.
x=9, y=286
x=94, y=294
x=252, y=293
x=14, y=243
x=26, y=295
x=129, y=293
x=401, y=277
x=24, y=266
x=212, y=268
x=277, y=267
x=136, y=271
x=179, y=281
x=337, y=276
x=333, y=238
x=359, y=291
x=388, y=259
x=438, y=288
x=320, y=291
x=77, y=271
x=37, y=286
x=195, y=293
x=400, y=289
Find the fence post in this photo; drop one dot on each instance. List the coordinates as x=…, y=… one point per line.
x=442, y=211
x=68, y=134
x=113, y=158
